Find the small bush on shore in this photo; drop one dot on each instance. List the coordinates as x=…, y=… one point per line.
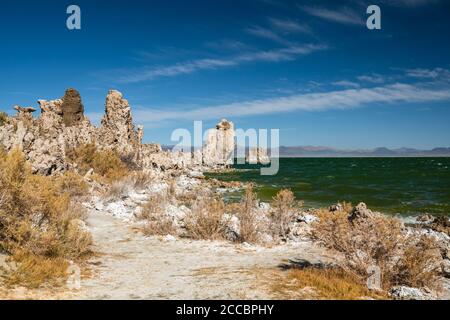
x=3, y=118
x=141, y=179
x=378, y=241
x=250, y=225
x=106, y=163
x=157, y=222
x=284, y=210
x=206, y=221
x=38, y=222
x=323, y=284
x=72, y=183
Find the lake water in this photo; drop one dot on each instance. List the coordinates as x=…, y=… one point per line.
x=407, y=186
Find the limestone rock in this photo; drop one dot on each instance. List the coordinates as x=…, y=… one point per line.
x=257, y=155
x=72, y=108
x=408, y=293
x=445, y=266
x=218, y=149
x=117, y=129
x=24, y=110
x=361, y=212
x=62, y=126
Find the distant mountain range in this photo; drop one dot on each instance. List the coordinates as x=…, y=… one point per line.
x=311, y=151
x=315, y=151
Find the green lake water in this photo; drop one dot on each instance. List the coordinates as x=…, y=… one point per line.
x=407, y=186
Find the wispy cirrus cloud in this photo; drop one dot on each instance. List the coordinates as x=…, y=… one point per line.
x=346, y=83
x=341, y=99
x=228, y=44
x=289, y=26
x=429, y=73
x=372, y=78
x=410, y=3
x=342, y=15
x=269, y=34
x=187, y=67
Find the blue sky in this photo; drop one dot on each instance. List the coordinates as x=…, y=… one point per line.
x=310, y=68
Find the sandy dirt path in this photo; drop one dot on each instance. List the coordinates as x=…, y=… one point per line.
x=132, y=266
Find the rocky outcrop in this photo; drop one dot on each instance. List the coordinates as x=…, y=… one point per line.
x=72, y=108
x=62, y=125
x=408, y=293
x=257, y=155
x=361, y=212
x=218, y=149
x=117, y=129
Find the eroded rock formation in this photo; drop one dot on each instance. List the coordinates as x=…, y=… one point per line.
x=72, y=108
x=218, y=149
x=62, y=125
x=257, y=155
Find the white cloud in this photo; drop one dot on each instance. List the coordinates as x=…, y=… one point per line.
x=265, y=33
x=410, y=3
x=289, y=26
x=437, y=73
x=346, y=83
x=372, y=78
x=276, y=55
x=343, y=99
x=341, y=15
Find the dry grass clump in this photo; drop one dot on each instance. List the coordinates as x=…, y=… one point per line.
x=106, y=163
x=206, y=221
x=3, y=118
x=250, y=225
x=417, y=266
x=284, y=211
x=378, y=241
x=157, y=222
x=37, y=219
x=117, y=189
x=33, y=271
x=73, y=184
x=324, y=284
x=141, y=179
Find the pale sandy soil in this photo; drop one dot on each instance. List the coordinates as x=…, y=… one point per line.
x=132, y=266
x=129, y=265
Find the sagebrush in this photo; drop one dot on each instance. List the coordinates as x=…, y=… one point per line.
x=38, y=221
x=379, y=241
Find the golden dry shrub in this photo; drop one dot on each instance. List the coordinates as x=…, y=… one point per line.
x=250, y=224
x=157, y=222
x=323, y=284
x=206, y=220
x=419, y=264
x=33, y=271
x=284, y=209
x=106, y=163
x=117, y=189
x=378, y=241
x=36, y=217
x=73, y=184
x=83, y=156
x=141, y=179
x=3, y=118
